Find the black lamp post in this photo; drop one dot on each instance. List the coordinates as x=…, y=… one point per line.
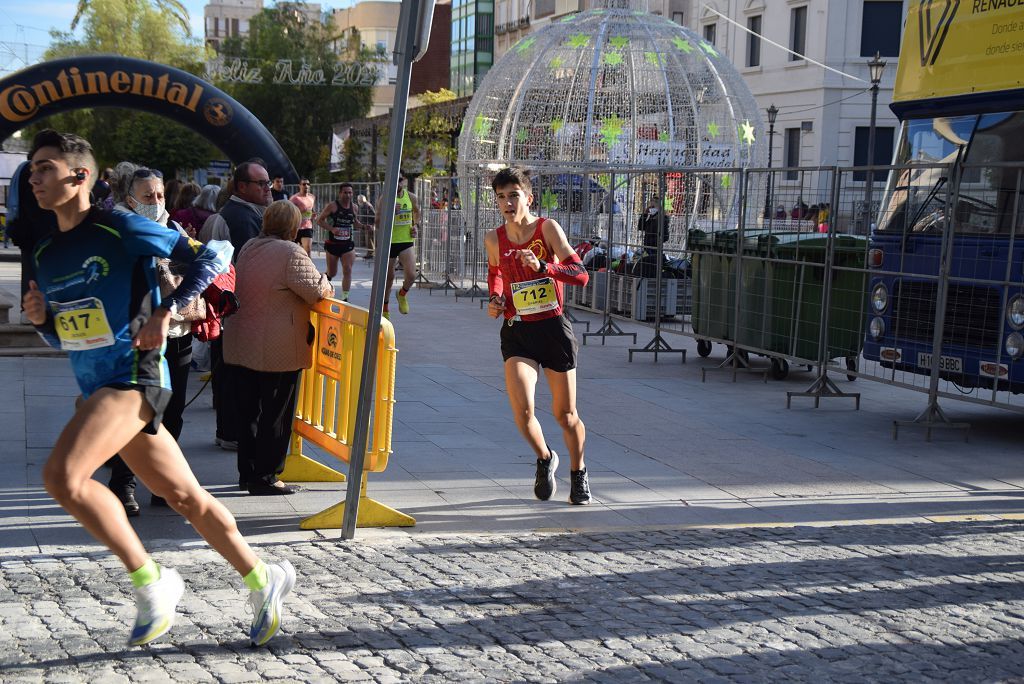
x=875, y=67
x=769, y=207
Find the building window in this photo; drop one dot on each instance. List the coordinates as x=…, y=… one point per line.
x=234, y=27
x=216, y=26
x=797, y=33
x=883, y=151
x=677, y=17
x=880, y=29
x=709, y=33
x=754, y=41
x=543, y=8
x=791, y=152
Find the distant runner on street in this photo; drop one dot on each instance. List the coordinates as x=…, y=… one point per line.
x=403, y=245
x=305, y=201
x=339, y=219
x=96, y=296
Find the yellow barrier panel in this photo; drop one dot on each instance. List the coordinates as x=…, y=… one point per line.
x=327, y=404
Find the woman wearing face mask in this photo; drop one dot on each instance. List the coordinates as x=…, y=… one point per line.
x=141, y=190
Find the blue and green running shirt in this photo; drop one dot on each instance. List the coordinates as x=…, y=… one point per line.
x=100, y=284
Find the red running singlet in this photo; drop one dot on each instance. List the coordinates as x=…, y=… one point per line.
x=514, y=272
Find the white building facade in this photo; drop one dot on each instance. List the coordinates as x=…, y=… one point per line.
x=823, y=117
x=223, y=19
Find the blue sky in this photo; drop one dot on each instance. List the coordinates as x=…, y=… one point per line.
x=25, y=26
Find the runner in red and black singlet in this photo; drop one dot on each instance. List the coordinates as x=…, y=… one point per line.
x=514, y=271
x=528, y=261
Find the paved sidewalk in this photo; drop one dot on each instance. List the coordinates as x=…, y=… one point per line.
x=696, y=560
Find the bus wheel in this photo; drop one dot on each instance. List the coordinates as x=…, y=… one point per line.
x=780, y=369
x=703, y=348
x=851, y=365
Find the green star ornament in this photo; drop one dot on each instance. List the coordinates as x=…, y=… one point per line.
x=708, y=48
x=612, y=58
x=611, y=130
x=557, y=63
x=481, y=126
x=521, y=135
x=747, y=133
x=726, y=181
x=525, y=44
x=580, y=40
x=713, y=129
x=619, y=42
x=652, y=58
x=549, y=200
x=683, y=45
x=668, y=204
x=557, y=125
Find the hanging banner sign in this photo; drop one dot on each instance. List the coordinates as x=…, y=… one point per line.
x=287, y=72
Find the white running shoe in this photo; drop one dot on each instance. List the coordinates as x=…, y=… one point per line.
x=156, y=603
x=267, y=602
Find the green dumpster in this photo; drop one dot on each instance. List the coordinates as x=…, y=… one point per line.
x=794, y=273
x=713, y=277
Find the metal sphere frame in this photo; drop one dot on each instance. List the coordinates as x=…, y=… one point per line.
x=615, y=90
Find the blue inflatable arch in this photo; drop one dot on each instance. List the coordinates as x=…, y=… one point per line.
x=74, y=83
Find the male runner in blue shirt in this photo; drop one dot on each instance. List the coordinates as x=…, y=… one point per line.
x=96, y=296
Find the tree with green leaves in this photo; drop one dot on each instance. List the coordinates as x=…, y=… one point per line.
x=298, y=116
x=133, y=28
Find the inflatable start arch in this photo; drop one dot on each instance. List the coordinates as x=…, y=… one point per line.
x=64, y=85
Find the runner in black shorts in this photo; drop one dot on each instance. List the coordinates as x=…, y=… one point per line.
x=305, y=201
x=95, y=295
x=339, y=219
x=528, y=260
x=403, y=236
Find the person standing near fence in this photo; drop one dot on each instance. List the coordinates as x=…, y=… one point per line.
x=339, y=219
x=108, y=314
x=369, y=217
x=277, y=189
x=268, y=343
x=305, y=201
x=403, y=245
x=528, y=261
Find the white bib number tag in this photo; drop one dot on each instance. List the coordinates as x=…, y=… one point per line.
x=343, y=233
x=82, y=325
x=534, y=296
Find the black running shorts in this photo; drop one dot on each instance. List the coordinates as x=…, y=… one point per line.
x=399, y=247
x=339, y=248
x=158, y=399
x=304, y=233
x=550, y=342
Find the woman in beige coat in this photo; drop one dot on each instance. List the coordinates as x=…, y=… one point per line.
x=268, y=342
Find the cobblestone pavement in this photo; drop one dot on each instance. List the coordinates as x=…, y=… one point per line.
x=914, y=602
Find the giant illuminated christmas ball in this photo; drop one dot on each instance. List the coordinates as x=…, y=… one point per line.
x=611, y=90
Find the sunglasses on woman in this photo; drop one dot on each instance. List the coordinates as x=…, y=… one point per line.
x=147, y=173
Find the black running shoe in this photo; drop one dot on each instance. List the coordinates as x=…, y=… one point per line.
x=579, y=491
x=544, y=484
x=127, y=498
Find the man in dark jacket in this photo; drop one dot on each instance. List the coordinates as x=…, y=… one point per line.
x=242, y=216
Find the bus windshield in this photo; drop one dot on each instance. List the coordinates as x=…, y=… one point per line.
x=990, y=151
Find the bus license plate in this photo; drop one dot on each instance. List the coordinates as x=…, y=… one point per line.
x=946, y=363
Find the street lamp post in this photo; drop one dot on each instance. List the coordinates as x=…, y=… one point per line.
x=875, y=67
x=773, y=112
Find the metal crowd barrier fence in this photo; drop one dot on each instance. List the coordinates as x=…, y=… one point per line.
x=327, y=405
